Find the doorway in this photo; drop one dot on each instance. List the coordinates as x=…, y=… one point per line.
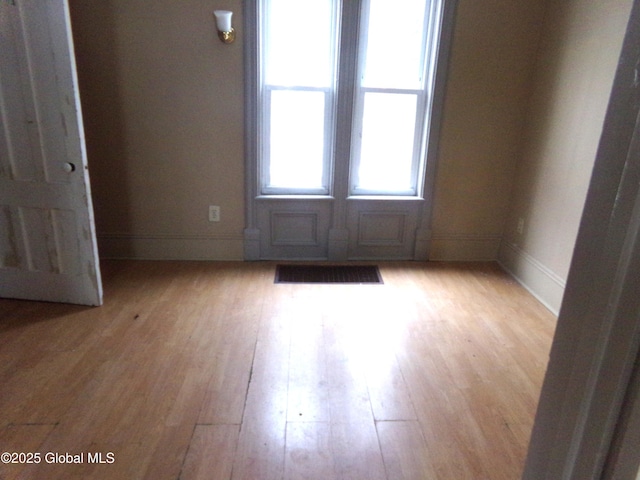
x=343, y=112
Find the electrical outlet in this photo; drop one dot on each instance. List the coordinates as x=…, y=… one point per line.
x=520, y=227
x=214, y=213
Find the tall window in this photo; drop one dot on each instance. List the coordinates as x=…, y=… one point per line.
x=298, y=57
x=299, y=50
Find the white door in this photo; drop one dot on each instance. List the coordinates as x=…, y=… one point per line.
x=47, y=236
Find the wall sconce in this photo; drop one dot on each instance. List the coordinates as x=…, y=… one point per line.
x=226, y=33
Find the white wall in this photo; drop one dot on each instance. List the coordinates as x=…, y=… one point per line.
x=575, y=68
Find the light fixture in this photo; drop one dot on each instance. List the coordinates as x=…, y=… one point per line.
x=226, y=33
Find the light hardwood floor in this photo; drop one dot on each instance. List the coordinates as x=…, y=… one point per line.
x=212, y=371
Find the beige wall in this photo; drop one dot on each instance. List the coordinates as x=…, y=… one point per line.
x=492, y=64
x=163, y=105
x=575, y=68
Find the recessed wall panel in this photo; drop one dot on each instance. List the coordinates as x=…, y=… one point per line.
x=382, y=228
x=375, y=229
x=294, y=228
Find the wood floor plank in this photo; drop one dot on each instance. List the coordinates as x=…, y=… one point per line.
x=210, y=370
x=372, y=325
x=261, y=444
x=406, y=455
x=227, y=388
x=16, y=439
x=308, y=451
x=349, y=400
x=308, y=389
x=168, y=456
x=261, y=449
x=356, y=451
x=211, y=453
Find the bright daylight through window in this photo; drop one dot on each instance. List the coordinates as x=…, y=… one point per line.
x=299, y=45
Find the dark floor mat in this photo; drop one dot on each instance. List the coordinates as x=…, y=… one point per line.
x=327, y=274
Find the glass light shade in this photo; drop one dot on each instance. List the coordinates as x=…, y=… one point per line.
x=223, y=20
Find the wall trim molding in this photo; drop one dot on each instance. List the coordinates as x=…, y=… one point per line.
x=224, y=247
x=542, y=282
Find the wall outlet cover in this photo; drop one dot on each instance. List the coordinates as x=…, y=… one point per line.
x=214, y=213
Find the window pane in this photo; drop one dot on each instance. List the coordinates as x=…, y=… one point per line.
x=297, y=139
x=299, y=42
x=394, y=58
x=388, y=132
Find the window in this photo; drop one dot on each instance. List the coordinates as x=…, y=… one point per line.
x=298, y=57
x=299, y=48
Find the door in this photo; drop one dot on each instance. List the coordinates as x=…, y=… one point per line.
x=343, y=110
x=47, y=236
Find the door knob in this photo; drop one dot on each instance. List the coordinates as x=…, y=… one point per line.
x=68, y=167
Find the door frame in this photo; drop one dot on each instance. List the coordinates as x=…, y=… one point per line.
x=588, y=417
x=344, y=216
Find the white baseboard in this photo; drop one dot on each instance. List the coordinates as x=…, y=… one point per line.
x=171, y=247
x=544, y=284
x=463, y=247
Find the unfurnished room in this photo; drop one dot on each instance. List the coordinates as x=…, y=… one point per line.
x=323, y=239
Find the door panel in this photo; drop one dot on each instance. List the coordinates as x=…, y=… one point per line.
x=297, y=230
x=47, y=237
x=382, y=228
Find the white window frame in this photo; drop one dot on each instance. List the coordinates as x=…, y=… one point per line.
x=424, y=95
x=264, y=111
x=430, y=43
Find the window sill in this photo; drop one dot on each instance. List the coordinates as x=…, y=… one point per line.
x=387, y=198
x=295, y=197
